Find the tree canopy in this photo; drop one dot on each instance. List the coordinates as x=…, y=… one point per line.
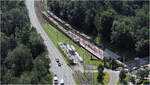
x=101, y=74
x=122, y=75
x=24, y=58
x=124, y=25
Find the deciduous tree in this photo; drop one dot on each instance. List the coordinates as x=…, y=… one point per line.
x=122, y=75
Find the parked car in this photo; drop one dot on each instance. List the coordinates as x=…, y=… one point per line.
x=146, y=83
x=147, y=66
x=118, y=69
x=126, y=70
x=55, y=80
x=134, y=68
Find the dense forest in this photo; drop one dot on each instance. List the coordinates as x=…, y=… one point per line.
x=24, y=58
x=124, y=25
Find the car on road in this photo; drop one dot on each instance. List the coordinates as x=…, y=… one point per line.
x=55, y=80
x=61, y=82
x=57, y=60
x=59, y=64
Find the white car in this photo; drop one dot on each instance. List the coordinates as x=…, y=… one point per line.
x=126, y=70
x=62, y=82
x=134, y=68
x=55, y=80
x=119, y=69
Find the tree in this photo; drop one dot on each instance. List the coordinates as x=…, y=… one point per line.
x=110, y=63
x=114, y=63
x=107, y=62
x=132, y=79
x=4, y=46
x=143, y=73
x=18, y=42
x=100, y=76
x=41, y=65
x=13, y=22
x=141, y=18
x=9, y=78
x=122, y=75
x=106, y=22
x=111, y=23
x=142, y=48
x=89, y=19
x=7, y=43
x=101, y=66
x=97, y=23
x=22, y=36
x=36, y=44
x=47, y=79
x=122, y=32
x=19, y=59
x=28, y=78
x=142, y=42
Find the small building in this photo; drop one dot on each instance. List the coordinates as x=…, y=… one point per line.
x=109, y=53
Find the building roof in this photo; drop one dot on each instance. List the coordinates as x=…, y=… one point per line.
x=109, y=53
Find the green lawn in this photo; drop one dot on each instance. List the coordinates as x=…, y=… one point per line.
x=75, y=78
x=57, y=36
x=85, y=75
x=105, y=81
x=118, y=83
x=127, y=78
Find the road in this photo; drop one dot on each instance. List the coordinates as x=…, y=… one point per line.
x=114, y=76
x=64, y=72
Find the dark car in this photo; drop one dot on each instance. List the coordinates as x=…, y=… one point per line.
x=59, y=64
x=146, y=83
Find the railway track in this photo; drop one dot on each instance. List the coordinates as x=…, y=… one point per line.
x=74, y=35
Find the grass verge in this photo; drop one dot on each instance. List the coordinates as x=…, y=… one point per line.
x=85, y=75
x=105, y=81
x=75, y=78
x=56, y=36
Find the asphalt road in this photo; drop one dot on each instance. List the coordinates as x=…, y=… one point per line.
x=64, y=72
x=114, y=76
